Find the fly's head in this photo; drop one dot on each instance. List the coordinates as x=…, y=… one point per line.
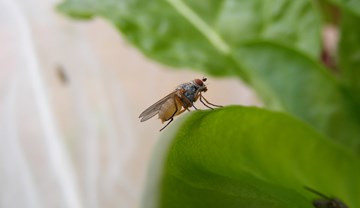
x=200, y=84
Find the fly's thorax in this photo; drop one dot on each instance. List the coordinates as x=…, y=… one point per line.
x=191, y=91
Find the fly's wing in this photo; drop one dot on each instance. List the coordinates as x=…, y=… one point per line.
x=155, y=108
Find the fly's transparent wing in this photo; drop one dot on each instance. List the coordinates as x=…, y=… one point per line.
x=155, y=108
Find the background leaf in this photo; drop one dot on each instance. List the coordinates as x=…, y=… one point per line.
x=352, y=6
x=329, y=11
x=297, y=84
x=237, y=156
x=349, y=54
x=201, y=34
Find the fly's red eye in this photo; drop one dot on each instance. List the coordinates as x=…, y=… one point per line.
x=199, y=82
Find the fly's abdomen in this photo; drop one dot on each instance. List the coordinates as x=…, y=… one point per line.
x=169, y=109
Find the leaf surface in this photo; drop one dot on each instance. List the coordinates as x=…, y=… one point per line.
x=248, y=157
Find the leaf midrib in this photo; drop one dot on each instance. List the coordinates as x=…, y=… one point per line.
x=222, y=46
x=201, y=25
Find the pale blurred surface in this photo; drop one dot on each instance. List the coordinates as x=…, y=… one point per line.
x=70, y=96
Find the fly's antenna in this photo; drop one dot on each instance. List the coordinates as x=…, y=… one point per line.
x=204, y=79
x=316, y=192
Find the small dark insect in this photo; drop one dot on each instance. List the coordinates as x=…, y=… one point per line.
x=325, y=201
x=61, y=74
x=175, y=103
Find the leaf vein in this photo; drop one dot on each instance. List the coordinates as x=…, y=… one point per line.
x=214, y=38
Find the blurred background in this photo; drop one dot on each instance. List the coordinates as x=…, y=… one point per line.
x=70, y=96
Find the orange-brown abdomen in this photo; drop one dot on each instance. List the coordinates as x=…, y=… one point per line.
x=168, y=109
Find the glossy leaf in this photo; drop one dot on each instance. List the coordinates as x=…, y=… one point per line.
x=248, y=157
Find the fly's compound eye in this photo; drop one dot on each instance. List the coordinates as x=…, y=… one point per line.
x=199, y=82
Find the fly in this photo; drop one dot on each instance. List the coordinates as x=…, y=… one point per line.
x=325, y=201
x=178, y=101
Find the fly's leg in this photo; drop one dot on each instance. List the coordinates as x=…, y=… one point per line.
x=205, y=103
x=184, y=106
x=172, y=118
x=188, y=103
x=201, y=96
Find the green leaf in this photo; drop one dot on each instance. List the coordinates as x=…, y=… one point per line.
x=215, y=36
x=349, y=53
x=200, y=34
x=297, y=84
x=329, y=12
x=352, y=6
x=248, y=157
